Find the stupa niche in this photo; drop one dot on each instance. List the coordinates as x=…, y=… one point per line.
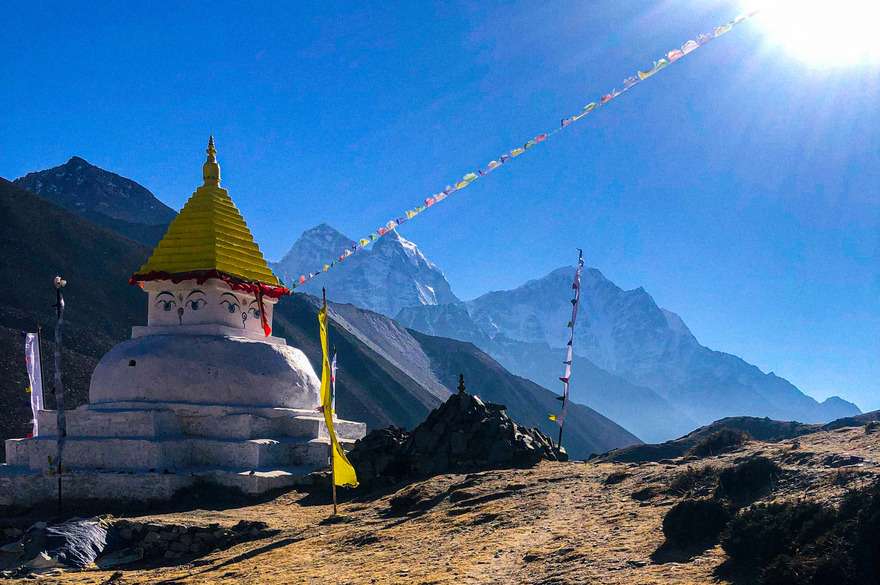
x=203, y=392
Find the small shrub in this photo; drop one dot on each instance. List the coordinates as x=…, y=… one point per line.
x=694, y=521
x=766, y=531
x=719, y=442
x=872, y=427
x=748, y=480
x=694, y=481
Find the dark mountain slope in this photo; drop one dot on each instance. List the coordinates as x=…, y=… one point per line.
x=38, y=241
x=369, y=387
x=105, y=198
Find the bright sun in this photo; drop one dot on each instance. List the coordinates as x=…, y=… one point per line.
x=824, y=33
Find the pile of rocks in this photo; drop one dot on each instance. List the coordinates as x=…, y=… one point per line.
x=463, y=434
x=174, y=541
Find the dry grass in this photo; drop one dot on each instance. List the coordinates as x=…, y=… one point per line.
x=559, y=523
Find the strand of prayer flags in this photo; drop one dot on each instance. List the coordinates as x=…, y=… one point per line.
x=667, y=59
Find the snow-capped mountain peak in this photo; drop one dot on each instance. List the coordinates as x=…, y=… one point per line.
x=315, y=247
x=392, y=275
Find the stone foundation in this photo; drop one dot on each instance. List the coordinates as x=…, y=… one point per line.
x=142, y=451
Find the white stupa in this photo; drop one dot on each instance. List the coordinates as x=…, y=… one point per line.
x=203, y=392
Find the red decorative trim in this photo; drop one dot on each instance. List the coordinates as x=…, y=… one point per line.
x=200, y=276
x=258, y=289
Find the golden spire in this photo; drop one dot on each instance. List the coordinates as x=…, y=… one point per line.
x=211, y=169
x=209, y=236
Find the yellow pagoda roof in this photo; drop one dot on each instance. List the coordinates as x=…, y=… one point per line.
x=208, y=236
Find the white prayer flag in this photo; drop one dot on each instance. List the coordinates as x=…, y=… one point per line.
x=35, y=375
x=333, y=381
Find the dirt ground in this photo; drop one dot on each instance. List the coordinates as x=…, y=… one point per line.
x=558, y=523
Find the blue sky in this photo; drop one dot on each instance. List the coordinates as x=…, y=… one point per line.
x=740, y=187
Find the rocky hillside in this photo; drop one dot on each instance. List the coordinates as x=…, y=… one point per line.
x=391, y=275
x=386, y=375
x=105, y=198
x=560, y=523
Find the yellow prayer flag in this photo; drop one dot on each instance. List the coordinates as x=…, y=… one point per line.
x=343, y=471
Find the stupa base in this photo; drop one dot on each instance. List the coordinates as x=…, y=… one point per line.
x=134, y=451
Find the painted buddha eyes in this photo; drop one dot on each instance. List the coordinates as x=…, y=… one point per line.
x=195, y=300
x=165, y=301
x=230, y=302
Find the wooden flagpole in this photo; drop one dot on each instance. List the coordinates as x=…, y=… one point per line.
x=576, y=286
x=325, y=359
x=59, y=283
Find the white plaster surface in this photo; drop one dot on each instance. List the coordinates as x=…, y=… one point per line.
x=205, y=329
x=205, y=369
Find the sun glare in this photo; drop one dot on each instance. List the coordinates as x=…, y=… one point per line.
x=823, y=33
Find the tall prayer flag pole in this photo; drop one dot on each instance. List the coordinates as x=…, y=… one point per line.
x=59, y=283
x=341, y=470
x=569, y=354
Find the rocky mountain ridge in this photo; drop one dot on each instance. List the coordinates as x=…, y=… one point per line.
x=103, y=197
x=627, y=334
x=636, y=362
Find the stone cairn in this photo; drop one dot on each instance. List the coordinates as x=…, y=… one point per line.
x=464, y=434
